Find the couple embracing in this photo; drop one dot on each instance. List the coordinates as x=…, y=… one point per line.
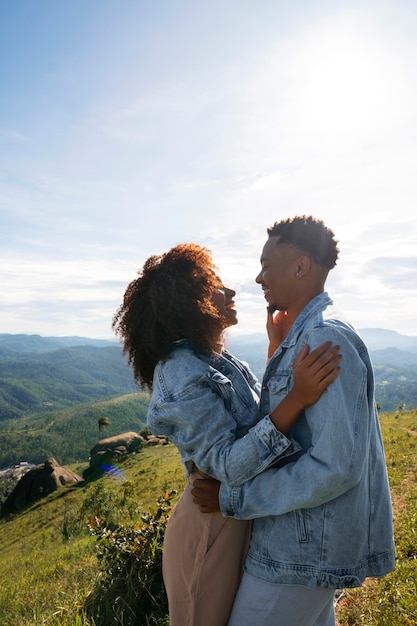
x=287, y=498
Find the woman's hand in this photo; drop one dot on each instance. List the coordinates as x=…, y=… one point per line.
x=314, y=371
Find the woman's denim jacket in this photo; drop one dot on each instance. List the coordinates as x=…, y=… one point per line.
x=208, y=407
x=324, y=519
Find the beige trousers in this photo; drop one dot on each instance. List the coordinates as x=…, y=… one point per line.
x=202, y=564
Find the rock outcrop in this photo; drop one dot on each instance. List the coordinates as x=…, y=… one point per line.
x=110, y=450
x=38, y=482
x=114, y=449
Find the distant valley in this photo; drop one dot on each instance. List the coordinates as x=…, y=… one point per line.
x=53, y=391
x=394, y=357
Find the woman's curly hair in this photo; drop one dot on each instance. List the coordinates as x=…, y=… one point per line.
x=170, y=300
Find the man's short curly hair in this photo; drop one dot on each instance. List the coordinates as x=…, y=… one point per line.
x=311, y=236
x=170, y=300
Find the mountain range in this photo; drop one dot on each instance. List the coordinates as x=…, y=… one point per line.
x=41, y=374
x=394, y=357
x=48, y=373
x=377, y=339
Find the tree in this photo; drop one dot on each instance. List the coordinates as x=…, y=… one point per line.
x=102, y=422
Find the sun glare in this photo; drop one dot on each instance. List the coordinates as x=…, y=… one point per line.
x=342, y=84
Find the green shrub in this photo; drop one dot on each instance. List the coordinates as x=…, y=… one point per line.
x=129, y=588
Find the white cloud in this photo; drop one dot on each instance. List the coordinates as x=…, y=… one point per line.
x=208, y=123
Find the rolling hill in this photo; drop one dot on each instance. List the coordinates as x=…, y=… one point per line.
x=45, y=374
x=40, y=376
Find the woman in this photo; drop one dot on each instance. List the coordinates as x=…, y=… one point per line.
x=205, y=400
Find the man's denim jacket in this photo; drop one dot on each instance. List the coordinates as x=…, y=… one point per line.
x=208, y=407
x=324, y=519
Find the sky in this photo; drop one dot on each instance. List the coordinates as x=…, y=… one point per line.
x=129, y=126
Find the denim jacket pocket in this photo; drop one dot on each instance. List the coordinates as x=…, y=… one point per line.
x=280, y=383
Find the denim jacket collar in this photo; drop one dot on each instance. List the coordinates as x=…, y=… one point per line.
x=319, y=302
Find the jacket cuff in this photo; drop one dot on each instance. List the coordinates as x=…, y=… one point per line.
x=228, y=499
x=282, y=445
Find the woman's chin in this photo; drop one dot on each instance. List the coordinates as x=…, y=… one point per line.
x=231, y=317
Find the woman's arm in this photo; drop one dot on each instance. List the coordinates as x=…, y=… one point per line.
x=338, y=429
x=198, y=422
x=313, y=373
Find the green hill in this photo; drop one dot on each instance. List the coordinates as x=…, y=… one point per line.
x=21, y=343
x=47, y=374
x=50, y=567
x=69, y=434
x=33, y=381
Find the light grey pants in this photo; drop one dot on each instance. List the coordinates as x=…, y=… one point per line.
x=268, y=604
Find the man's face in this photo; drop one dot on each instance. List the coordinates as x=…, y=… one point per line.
x=278, y=273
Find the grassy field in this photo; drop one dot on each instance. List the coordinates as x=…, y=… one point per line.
x=48, y=558
x=392, y=601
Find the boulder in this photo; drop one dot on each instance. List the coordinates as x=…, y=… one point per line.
x=117, y=446
x=38, y=482
x=111, y=449
x=156, y=440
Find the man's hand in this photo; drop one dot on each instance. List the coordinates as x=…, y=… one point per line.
x=278, y=325
x=205, y=494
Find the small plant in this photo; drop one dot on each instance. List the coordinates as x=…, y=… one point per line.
x=129, y=588
x=130, y=498
x=72, y=523
x=98, y=503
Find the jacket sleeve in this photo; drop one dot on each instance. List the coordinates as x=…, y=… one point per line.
x=196, y=418
x=338, y=426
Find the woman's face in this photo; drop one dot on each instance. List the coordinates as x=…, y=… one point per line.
x=223, y=301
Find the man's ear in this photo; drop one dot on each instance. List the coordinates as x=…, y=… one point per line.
x=303, y=265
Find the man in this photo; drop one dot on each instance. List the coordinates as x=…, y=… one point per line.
x=323, y=521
